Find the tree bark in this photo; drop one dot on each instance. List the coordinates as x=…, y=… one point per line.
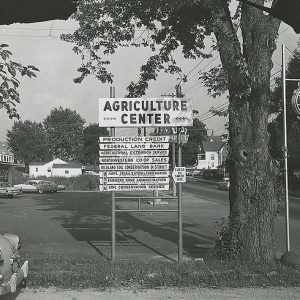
x=253, y=174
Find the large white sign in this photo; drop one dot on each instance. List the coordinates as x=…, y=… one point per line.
x=134, y=163
x=145, y=112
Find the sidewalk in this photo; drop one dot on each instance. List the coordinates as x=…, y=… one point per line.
x=161, y=294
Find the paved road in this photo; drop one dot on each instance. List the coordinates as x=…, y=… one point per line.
x=211, y=193
x=79, y=224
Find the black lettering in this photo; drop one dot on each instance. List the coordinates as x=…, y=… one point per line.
x=142, y=118
x=123, y=118
x=132, y=118
x=157, y=119
x=175, y=105
x=135, y=105
x=166, y=119
x=116, y=106
x=107, y=106
x=124, y=106
x=183, y=105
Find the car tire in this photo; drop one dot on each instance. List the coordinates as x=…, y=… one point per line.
x=40, y=191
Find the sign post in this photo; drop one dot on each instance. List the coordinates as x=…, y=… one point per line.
x=179, y=163
x=141, y=163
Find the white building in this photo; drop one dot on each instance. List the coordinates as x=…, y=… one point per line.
x=56, y=167
x=213, y=154
x=66, y=170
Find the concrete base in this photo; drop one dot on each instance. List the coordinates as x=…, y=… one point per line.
x=291, y=258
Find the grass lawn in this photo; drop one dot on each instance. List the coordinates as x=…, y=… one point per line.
x=65, y=272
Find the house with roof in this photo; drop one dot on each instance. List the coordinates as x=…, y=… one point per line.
x=6, y=163
x=213, y=153
x=56, y=167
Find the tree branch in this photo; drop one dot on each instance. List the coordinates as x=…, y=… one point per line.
x=31, y=11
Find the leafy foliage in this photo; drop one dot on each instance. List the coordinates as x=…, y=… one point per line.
x=64, y=128
x=28, y=141
x=9, y=84
x=107, y=25
x=90, y=144
x=190, y=150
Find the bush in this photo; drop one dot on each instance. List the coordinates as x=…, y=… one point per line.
x=76, y=183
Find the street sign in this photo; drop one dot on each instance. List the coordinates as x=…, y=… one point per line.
x=136, y=187
x=132, y=180
x=179, y=174
x=134, y=163
x=139, y=152
x=143, y=174
x=134, y=139
x=134, y=146
x=134, y=160
x=145, y=112
x=296, y=101
x=183, y=138
x=134, y=167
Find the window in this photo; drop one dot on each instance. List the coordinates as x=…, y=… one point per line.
x=201, y=156
x=49, y=169
x=36, y=169
x=66, y=171
x=212, y=157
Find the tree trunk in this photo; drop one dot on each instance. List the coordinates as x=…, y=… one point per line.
x=253, y=175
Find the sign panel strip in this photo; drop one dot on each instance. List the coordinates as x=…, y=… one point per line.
x=131, y=146
x=114, y=153
x=134, y=160
x=140, y=167
x=137, y=187
x=134, y=139
x=130, y=180
x=143, y=174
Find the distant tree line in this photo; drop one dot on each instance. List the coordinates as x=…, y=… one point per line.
x=62, y=134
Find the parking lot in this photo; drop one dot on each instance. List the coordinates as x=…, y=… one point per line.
x=78, y=223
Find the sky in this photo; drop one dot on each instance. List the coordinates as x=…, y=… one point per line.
x=39, y=44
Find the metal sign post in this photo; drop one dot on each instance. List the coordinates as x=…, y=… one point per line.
x=113, y=199
x=179, y=164
x=287, y=215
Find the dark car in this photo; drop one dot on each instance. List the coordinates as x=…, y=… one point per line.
x=12, y=274
x=6, y=190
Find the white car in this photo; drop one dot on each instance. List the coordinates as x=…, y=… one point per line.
x=12, y=272
x=6, y=190
x=39, y=186
x=224, y=185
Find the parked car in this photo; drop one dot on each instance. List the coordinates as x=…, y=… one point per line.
x=189, y=171
x=6, y=190
x=39, y=186
x=224, y=185
x=198, y=173
x=12, y=274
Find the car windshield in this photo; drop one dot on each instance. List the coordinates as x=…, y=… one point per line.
x=4, y=184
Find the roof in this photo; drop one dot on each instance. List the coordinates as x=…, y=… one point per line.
x=67, y=166
x=212, y=146
x=37, y=163
x=4, y=148
x=214, y=138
